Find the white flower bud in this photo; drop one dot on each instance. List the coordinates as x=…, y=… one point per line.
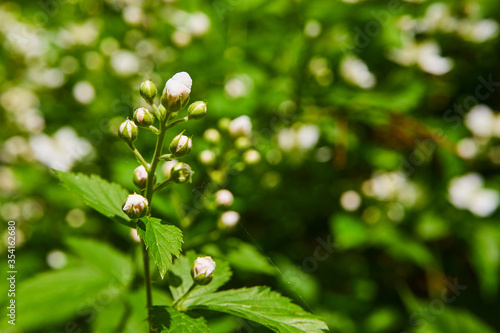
x=224, y=198
x=229, y=219
x=128, y=131
x=136, y=206
x=140, y=177
x=211, y=135
x=202, y=270
x=207, y=157
x=180, y=145
x=251, y=156
x=176, y=93
x=241, y=126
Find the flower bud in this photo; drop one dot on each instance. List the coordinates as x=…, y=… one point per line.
x=229, y=219
x=212, y=135
x=207, y=157
x=181, y=173
x=197, y=110
x=251, y=157
x=148, y=91
x=143, y=117
x=128, y=131
x=241, y=126
x=140, y=177
x=180, y=145
x=176, y=93
x=203, y=270
x=224, y=198
x=136, y=206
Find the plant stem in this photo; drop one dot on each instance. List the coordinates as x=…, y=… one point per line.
x=147, y=277
x=162, y=184
x=149, y=196
x=184, y=295
x=138, y=155
x=178, y=121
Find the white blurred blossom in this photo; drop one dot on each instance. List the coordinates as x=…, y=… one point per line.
x=224, y=198
x=124, y=63
x=84, y=92
x=391, y=186
x=356, y=72
x=468, y=192
x=304, y=137
x=480, y=120
x=62, y=150
x=241, y=126
x=426, y=55
x=238, y=85
x=229, y=218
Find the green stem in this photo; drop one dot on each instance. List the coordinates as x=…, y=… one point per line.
x=177, y=122
x=138, y=155
x=184, y=295
x=147, y=277
x=162, y=184
x=149, y=196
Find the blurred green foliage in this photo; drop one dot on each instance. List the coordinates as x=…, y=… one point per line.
x=373, y=188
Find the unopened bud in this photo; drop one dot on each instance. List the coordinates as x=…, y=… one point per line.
x=140, y=177
x=241, y=126
x=176, y=93
x=136, y=206
x=212, y=135
x=197, y=110
x=181, y=173
x=203, y=270
x=143, y=117
x=207, y=157
x=224, y=198
x=251, y=156
x=128, y=131
x=180, y=145
x=148, y=91
x=229, y=219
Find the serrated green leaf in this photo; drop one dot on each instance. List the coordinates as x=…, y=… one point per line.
x=162, y=241
x=167, y=319
x=52, y=297
x=103, y=257
x=106, y=198
x=180, y=279
x=263, y=306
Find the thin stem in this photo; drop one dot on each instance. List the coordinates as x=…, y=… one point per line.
x=162, y=184
x=149, y=196
x=177, y=122
x=184, y=295
x=147, y=277
x=138, y=155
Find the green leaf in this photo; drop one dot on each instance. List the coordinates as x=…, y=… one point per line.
x=162, y=241
x=167, y=319
x=247, y=257
x=485, y=255
x=103, y=257
x=263, y=306
x=52, y=297
x=180, y=279
x=107, y=198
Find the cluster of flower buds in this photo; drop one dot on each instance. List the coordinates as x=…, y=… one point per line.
x=203, y=270
x=174, y=97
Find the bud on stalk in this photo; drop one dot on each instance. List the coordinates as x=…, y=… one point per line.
x=202, y=270
x=136, y=206
x=180, y=145
x=140, y=177
x=148, y=91
x=197, y=110
x=176, y=92
x=143, y=118
x=128, y=131
x=181, y=173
